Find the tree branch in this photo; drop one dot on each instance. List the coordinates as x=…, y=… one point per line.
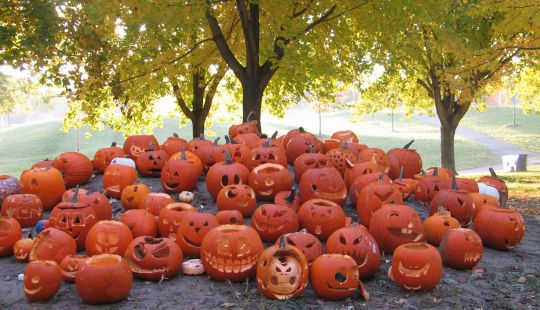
x=426, y=87
x=212, y=88
x=180, y=101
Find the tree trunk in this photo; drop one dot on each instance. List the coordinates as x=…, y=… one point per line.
x=447, y=146
x=198, y=124
x=252, y=101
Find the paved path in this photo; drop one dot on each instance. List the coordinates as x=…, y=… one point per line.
x=497, y=147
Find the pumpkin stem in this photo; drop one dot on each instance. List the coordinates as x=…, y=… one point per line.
x=201, y=208
x=493, y=174
x=175, y=135
x=227, y=139
x=436, y=171
x=75, y=196
x=400, y=173
x=348, y=164
x=301, y=129
x=151, y=146
x=311, y=150
x=274, y=135
x=183, y=154
x=380, y=180
x=454, y=183
x=113, y=144
x=290, y=197
x=266, y=143
x=282, y=243
x=363, y=292
x=406, y=146
x=216, y=140
x=250, y=116
x=228, y=159
x=504, y=200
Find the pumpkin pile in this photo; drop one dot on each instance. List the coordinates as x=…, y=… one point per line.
x=297, y=211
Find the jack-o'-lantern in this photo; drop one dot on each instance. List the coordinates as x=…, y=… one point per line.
x=233, y=217
x=192, y=230
x=140, y=222
x=377, y=156
x=25, y=208
x=394, y=225
x=458, y=202
x=46, y=183
x=416, y=266
x=239, y=197
x=438, y=224
x=306, y=242
x=42, y=280
x=499, y=228
x=170, y=218
x=373, y=197
x=117, y=177
x=309, y=160
x=76, y=168
x=8, y=186
x=225, y=173
x=346, y=136
x=22, y=248
x=124, y=161
x=356, y=148
x=405, y=158
x=154, y=202
x=104, y=279
x=330, y=144
x=269, y=179
x=323, y=183
x=239, y=151
x=181, y=174
x=341, y=159
x=358, y=243
x=483, y=199
x=10, y=233
x=154, y=259
x=300, y=144
x=43, y=164
x=290, y=199
x=496, y=182
x=206, y=153
x=135, y=146
x=335, y=277
x=174, y=144
x=282, y=271
x=407, y=186
x=75, y=218
x=357, y=169
x=196, y=143
x=108, y=237
x=133, y=195
x=104, y=156
x=251, y=140
x=363, y=180
x=437, y=171
x=52, y=244
x=70, y=265
x=96, y=200
x=230, y=252
x=249, y=126
x=271, y=221
x=265, y=154
x=467, y=184
x=461, y=248
x=151, y=162
x=429, y=186
x=321, y=217
x=273, y=141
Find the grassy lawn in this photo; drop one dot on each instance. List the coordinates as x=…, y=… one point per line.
x=495, y=122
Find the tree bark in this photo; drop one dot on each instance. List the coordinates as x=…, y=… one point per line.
x=448, y=159
x=197, y=122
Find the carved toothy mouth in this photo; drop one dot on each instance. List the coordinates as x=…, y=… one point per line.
x=69, y=274
x=266, y=193
x=412, y=272
x=22, y=256
x=470, y=257
x=229, y=265
x=406, y=233
x=32, y=291
x=106, y=250
x=138, y=270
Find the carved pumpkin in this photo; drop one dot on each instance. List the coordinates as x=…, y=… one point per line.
x=230, y=252
x=154, y=202
x=70, y=265
x=341, y=159
x=330, y=144
x=117, y=177
x=108, y=237
x=192, y=230
x=265, y=154
x=140, y=222
x=271, y=221
x=336, y=277
x=416, y=266
x=249, y=126
x=42, y=280
x=233, y=217
x=269, y=179
x=438, y=224
x=373, y=197
x=467, y=184
x=358, y=243
x=225, y=173
x=405, y=158
x=8, y=186
x=251, y=140
x=25, y=208
x=182, y=174
x=356, y=148
x=273, y=142
x=22, y=248
x=461, y=248
x=499, y=228
x=323, y=183
x=394, y=225
x=104, y=156
x=346, y=136
x=377, y=156
x=300, y=143
x=362, y=181
x=96, y=200
x=170, y=218
x=174, y=144
x=133, y=195
x=151, y=162
x=496, y=182
x=154, y=259
x=10, y=233
x=104, y=279
x=483, y=199
x=124, y=161
x=282, y=271
x=290, y=199
x=75, y=168
x=239, y=197
x=46, y=183
x=321, y=217
x=438, y=171
x=407, y=186
x=135, y=146
x=239, y=151
x=458, y=202
x=309, y=160
x=306, y=242
x=354, y=170
x=429, y=186
x=52, y=244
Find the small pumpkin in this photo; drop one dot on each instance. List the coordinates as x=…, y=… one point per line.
x=186, y=197
x=42, y=280
x=70, y=265
x=193, y=267
x=170, y=218
x=133, y=195
x=436, y=226
x=117, y=177
x=416, y=266
x=458, y=202
x=22, y=248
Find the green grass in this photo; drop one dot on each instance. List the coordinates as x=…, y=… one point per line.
x=495, y=122
x=522, y=184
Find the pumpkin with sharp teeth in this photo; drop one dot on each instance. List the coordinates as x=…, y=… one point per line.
x=151, y=162
x=76, y=168
x=405, y=158
x=153, y=259
x=104, y=156
x=356, y=169
x=394, y=225
x=182, y=173
x=25, y=208
x=230, y=252
x=290, y=199
x=46, y=183
x=135, y=146
x=174, y=144
x=193, y=227
x=467, y=184
x=133, y=195
x=363, y=180
x=301, y=143
x=335, y=277
x=495, y=181
x=269, y=179
x=416, y=266
x=500, y=228
x=239, y=197
x=42, y=280
x=8, y=186
x=323, y=183
x=459, y=202
x=140, y=222
x=358, y=243
x=170, y=218
x=154, y=202
x=429, y=186
x=377, y=156
x=225, y=173
x=306, y=242
x=10, y=233
x=461, y=248
x=321, y=217
x=233, y=217
x=22, y=248
x=436, y=226
x=52, y=244
x=265, y=154
x=70, y=265
x=373, y=197
x=309, y=160
x=108, y=237
x=97, y=200
x=117, y=177
x=282, y=271
x=271, y=221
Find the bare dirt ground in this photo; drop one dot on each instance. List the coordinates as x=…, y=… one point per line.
x=502, y=280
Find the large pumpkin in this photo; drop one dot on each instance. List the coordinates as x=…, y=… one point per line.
x=181, y=174
x=46, y=183
x=97, y=200
x=416, y=266
x=373, y=197
x=458, y=202
x=52, y=244
x=75, y=168
x=499, y=228
x=134, y=146
x=405, y=158
x=25, y=208
x=108, y=237
x=192, y=230
x=154, y=259
x=225, y=173
x=42, y=280
x=140, y=222
x=323, y=183
x=265, y=154
x=461, y=248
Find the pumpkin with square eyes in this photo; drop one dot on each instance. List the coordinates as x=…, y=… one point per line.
x=117, y=177
x=136, y=145
x=193, y=227
x=394, y=225
x=358, y=168
x=154, y=259
x=373, y=197
x=174, y=144
x=336, y=277
x=76, y=168
x=323, y=183
x=70, y=265
x=225, y=173
x=269, y=179
x=233, y=217
x=377, y=156
x=416, y=266
x=104, y=156
x=495, y=181
x=22, y=248
x=10, y=233
x=108, y=237
x=309, y=160
x=230, y=252
x=239, y=197
x=429, y=186
x=170, y=218
x=42, y=280
x=405, y=158
x=97, y=200
x=181, y=174
x=133, y=195
x=46, y=183
x=459, y=202
x=154, y=202
x=52, y=244
x=271, y=221
x=282, y=271
x=239, y=151
x=321, y=217
x=347, y=136
x=461, y=248
x=300, y=144
x=436, y=225
x=151, y=162
x=8, y=186
x=25, y=208
x=140, y=222
x=358, y=243
x=501, y=229
x=290, y=199
x=306, y=242
x=363, y=180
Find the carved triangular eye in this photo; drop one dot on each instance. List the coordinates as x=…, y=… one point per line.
x=356, y=241
x=150, y=157
x=175, y=173
x=271, y=156
x=263, y=211
x=310, y=245
x=342, y=239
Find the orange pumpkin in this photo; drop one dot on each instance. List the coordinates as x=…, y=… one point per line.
x=321, y=217
x=10, y=233
x=174, y=144
x=108, y=237
x=269, y=179
x=154, y=202
x=42, y=279
x=373, y=197
x=416, y=266
x=265, y=154
x=181, y=174
x=96, y=200
x=404, y=158
x=358, y=168
x=192, y=230
x=238, y=197
x=25, y=208
x=290, y=199
x=69, y=266
x=378, y=157
x=499, y=228
x=271, y=221
x=458, y=202
x=299, y=144
x=140, y=222
x=239, y=151
x=249, y=126
x=225, y=173
x=438, y=224
x=362, y=181
x=117, y=177
x=151, y=162
x=347, y=136
x=154, y=259
x=170, y=218
x=46, y=183
x=461, y=248
x=76, y=168
x=496, y=182
x=104, y=156
x=22, y=248
x=306, y=242
x=233, y=217
x=136, y=145
x=133, y=195
x=323, y=183
x=52, y=244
